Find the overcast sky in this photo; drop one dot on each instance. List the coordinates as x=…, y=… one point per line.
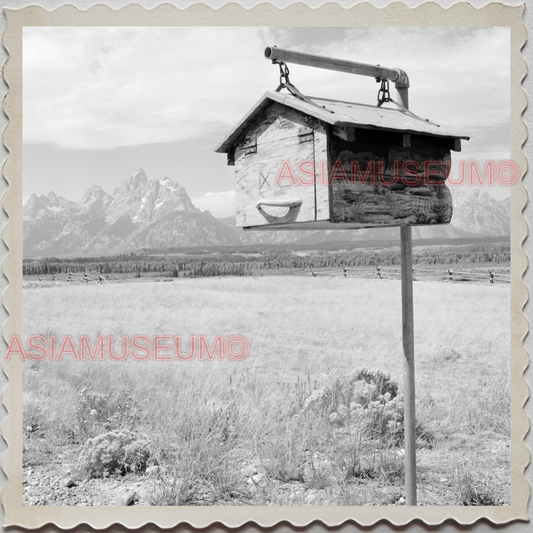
x=100, y=103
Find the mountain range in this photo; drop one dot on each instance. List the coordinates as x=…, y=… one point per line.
x=144, y=213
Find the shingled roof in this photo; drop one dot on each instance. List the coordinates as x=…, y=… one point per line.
x=339, y=113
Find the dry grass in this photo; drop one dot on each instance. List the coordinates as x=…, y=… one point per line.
x=208, y=419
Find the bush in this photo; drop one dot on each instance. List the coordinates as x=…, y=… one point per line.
x=116, y=452
x=367, y=399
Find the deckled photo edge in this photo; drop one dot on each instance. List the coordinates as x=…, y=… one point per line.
x=299, y=14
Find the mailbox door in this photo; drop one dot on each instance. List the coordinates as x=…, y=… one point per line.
x=275, y=170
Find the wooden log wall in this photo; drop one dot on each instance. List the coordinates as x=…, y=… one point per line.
x=389, y=179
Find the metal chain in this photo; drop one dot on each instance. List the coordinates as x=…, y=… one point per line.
x=383, y=93
x=283, y=76
x=285, y=83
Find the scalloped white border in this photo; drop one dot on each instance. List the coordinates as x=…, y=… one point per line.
x=266, y=14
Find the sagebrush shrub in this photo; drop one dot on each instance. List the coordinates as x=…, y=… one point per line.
x=115, y=452
x=382, y=384
x=367, y=399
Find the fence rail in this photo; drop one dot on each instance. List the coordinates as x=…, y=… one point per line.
x=379, y=272
x=420, y=274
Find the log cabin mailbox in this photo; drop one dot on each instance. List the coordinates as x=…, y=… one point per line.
x=315, y=163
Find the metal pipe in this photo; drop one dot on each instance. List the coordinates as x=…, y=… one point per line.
x=408, y=338
x=406, y=252
x=396, y=75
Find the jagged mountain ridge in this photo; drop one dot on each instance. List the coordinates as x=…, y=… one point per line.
x=140, y=213
x=143, y=213
x=478, y=212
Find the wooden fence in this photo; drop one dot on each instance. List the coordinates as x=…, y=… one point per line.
x=420, y=274
x=380, y=272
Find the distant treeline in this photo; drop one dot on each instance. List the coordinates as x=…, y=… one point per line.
x=238, y=264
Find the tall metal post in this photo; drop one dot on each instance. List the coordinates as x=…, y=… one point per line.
x=406, y=247
x=408, y=365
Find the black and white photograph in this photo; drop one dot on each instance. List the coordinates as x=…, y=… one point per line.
x=267, y=266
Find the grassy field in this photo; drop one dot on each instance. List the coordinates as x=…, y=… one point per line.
x=294, y=423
